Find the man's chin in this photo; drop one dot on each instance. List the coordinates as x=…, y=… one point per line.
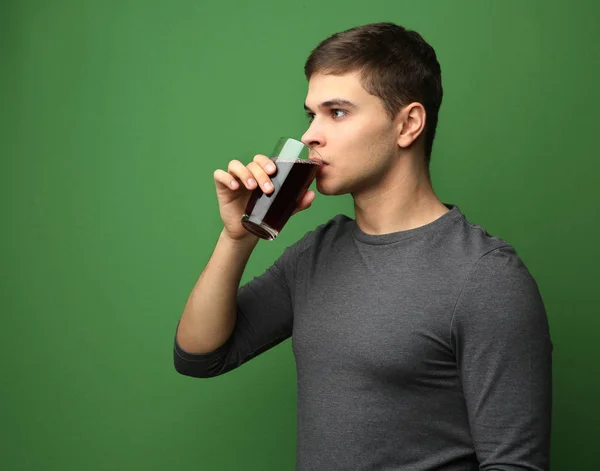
x=328, y=189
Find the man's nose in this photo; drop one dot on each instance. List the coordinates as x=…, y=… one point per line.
x=313, y=137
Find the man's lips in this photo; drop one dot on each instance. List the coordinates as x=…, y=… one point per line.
x=320, y=163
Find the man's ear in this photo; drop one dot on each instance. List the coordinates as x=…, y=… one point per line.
x=411, y=122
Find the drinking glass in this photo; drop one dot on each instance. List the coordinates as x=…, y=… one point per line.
x=297, y=165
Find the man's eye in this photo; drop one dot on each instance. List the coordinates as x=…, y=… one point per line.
x=334, y=113
x=310, y=116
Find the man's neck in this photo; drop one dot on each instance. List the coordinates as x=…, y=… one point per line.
x=403, y=200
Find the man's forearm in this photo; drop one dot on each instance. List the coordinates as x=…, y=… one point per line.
x=209, y=315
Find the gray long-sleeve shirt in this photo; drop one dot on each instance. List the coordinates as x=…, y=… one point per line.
x=426, y=349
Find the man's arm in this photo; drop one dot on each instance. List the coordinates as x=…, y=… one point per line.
x=226, y=326
x=209, y=315
x=502, y=343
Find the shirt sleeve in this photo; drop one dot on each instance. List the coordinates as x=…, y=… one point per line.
x=264, y=319
x=502, y=343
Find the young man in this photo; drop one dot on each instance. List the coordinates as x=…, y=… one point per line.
x=421, y=341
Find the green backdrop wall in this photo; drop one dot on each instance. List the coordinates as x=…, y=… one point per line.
x=114, y=116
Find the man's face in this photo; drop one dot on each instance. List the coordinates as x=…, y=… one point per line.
x=351, y=130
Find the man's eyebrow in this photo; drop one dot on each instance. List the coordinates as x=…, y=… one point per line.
x=332, y=103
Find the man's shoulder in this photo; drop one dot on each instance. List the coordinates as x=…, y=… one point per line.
x=470, y=242
x=335, y=227
x=471, y=253
x=488, y=258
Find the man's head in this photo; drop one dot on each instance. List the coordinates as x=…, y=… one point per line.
x=392, y=79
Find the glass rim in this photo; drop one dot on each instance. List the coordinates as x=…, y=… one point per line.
x=318, y=160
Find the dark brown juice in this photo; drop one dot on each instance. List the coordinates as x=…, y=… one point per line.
x=291, y=181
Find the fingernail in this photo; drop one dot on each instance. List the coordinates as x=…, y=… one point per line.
x=251, y=181
x=268, y=186
x=270, y=167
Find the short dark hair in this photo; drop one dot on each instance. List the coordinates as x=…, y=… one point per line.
x=396, y=64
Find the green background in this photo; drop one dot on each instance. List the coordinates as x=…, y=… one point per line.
x=114, y=116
